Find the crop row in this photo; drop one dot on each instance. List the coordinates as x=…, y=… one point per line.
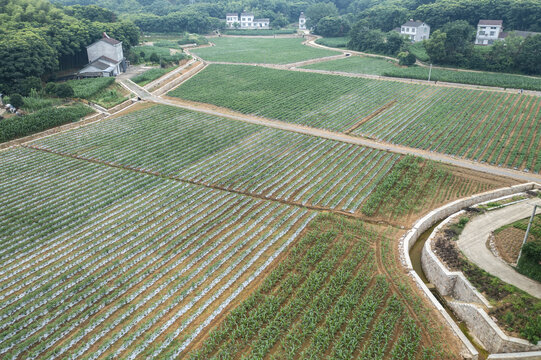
x=90, y=289
x=486, y=126
x=237, y=156
x=318, y=303
x=160, y=138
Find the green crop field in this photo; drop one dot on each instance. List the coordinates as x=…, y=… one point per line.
x=493, y=127
x=260, y=50
x=135, y=236
x=356, y=65
x=468, y=77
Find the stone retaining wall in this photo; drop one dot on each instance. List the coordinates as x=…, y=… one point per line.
x=408, y=240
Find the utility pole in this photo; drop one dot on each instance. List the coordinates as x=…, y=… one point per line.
x=429, y=72
x=527, y=232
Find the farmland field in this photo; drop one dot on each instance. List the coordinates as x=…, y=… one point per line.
x=356, y=65
x=269, y=163
x=308, y=307
x=178, y=254
x=168, y=233
x=260, y=50
x=493, y=127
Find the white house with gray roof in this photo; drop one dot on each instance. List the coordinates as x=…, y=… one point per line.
x=246, y=21
x=488, y=31
x=105, y=58
x=415, y=30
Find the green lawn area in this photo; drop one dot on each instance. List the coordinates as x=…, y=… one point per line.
x=356, y=65
x=151, y=75
x=260, y=50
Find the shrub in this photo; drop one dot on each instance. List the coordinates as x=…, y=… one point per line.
x=16, y=100
x=50, y=88
x=64, y=91
x=154, y=58
x=406, y=58
x=13, y=128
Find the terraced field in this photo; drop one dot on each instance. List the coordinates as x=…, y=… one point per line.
x=494, y=127
x=260, y=50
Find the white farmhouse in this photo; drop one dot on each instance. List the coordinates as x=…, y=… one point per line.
x=105, y=57
x=488, y=31
x=302, y=22
x=246, y=21
x=231, y=19
x=415, y=30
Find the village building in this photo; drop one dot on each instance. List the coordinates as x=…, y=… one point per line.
x=105, y=58
x=488, y=31
x=415, y=30
x=302, y=22
x=246, y=21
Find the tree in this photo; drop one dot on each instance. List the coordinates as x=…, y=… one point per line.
x=64, y=90
x=16, y=100
x=406, y=58
x=24, y=54
x=394, y=42
x=154, y=58
x=332, y=26
x=318, y=11
x=26, y=85
x=530, y=53
x=435, y=47
x=458, y=42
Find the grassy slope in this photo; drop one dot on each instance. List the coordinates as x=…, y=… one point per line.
x=260, y=50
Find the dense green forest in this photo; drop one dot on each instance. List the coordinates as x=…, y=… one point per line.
x=38, y=38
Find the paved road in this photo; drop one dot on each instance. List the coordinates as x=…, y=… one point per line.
x=473, y=240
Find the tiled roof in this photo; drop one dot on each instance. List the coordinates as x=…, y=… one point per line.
x=413, y=23
x=491, y=22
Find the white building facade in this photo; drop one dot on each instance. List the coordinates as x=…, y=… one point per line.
x=488, y=31
x=415, y=30
x=105, y=58
x=302, y=22
x=246, y=21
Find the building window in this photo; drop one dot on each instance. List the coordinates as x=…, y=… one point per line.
x=413, y=30
x=426, y=30
x=492, y=33
x=493, y=28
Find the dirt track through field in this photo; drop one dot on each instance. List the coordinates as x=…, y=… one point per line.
x=326, y=134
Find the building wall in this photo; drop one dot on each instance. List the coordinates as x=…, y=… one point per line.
x=101, y=48
x=487, y=34
x=416, y=34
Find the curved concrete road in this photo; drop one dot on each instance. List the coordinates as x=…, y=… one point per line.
x=472, y=242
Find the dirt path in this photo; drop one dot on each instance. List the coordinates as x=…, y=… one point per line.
x=472, y=242
x=326, y=134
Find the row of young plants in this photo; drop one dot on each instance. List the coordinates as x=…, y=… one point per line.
x=174, y=251
x=269, y=162
x=467, y=77
x=450, y=120
x=296, y=168
x=163, y=139
x=467, y=123
x=411, y=183
x=318, y=303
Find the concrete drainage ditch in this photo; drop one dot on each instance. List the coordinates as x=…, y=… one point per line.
x=465, y=301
